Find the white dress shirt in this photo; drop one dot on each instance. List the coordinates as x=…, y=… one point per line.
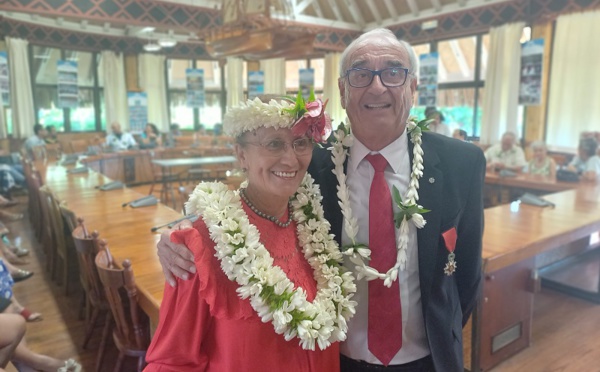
x=359, y=176
x=125, y=142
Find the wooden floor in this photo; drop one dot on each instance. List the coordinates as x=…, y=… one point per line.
x=565, y=329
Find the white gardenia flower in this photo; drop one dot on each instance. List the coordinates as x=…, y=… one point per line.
x=418, y=220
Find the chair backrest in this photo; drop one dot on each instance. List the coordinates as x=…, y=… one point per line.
x=79, y=146
x=69, y=217
x=39, y=152
x=183, y=141
x=121, y=293
x=48, y=233
x=55, y=220
x=87, y=246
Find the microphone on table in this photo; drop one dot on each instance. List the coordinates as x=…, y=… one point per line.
x=146, y=201
x=111, y=186
x=191, y=217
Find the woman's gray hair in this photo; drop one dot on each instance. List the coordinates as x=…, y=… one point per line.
x=380, y=37
x=538, y=145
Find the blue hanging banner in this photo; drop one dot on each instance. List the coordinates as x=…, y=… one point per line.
x=68, y=91
x=256, y=84
x=307, y=80
x=530, y=84
x=428, y=79
x=138, y=111
x=195, y=87
x=4, y=80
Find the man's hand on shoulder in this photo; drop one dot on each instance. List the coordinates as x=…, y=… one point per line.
x=176, y=259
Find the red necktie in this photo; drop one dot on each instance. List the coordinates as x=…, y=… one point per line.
x=385, y=310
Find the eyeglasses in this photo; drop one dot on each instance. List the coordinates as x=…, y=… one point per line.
x=278, y=147
x=390, y=77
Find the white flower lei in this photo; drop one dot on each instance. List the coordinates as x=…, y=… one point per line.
x=254, y=114
x=357, y=251
x=272, y=295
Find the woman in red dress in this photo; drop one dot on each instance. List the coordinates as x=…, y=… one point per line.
x=269, y=293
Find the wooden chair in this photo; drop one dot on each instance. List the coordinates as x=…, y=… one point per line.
x=39, y=152
x=79, y=146
x=183, y=141
x=47, y=231
x=131, y=332
x=87, y=246
x=65, y=251
x=33, y=205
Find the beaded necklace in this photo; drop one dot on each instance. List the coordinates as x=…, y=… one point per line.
x=273, y=219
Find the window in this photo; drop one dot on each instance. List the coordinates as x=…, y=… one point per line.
x=88, y=114
x=292, y=74
x=461, y=72
x=180, y=113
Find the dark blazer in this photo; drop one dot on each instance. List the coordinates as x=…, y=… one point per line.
x=451, y=187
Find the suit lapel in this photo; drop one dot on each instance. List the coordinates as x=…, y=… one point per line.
x=328, y=184
x=430, y=197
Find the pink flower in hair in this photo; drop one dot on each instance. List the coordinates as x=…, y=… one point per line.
x=314, y=123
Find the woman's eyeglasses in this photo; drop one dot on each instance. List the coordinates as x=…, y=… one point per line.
x=390, y=77
x=278, y=147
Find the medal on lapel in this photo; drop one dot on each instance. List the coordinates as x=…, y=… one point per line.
x=450, y=242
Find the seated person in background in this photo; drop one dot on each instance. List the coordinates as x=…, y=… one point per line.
x=505, y=155
x=460, y=134
x=50, y=135
x=150, y=137
x=541, y=163
x=36, y=140
x=174, y=132
x=436, y=125
x=587, y=163
x=117, y=140
x=202, y=138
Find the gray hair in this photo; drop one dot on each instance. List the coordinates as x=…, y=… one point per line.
x=379, y=36
x=538, y=145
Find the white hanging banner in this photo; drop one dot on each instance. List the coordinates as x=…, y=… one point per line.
x=428, y=79
x=68, y=91
x=195, y=87
x=530, y=86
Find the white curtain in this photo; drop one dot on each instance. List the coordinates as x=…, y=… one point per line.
x=20, y=88
x=331, y=90
x=274, y=70
x=235, y=81
x=500, y=101
x=574, y=102
x=151, y=73
x=115, y=90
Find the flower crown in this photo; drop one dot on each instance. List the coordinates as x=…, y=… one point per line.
x=304, y=117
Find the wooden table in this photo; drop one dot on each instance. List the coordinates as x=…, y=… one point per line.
x=514, y=236
x=168, y=164
x=502, y=190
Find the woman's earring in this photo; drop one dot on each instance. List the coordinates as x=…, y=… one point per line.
x=245, y=170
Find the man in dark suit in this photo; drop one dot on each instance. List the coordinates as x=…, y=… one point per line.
x=435, y=298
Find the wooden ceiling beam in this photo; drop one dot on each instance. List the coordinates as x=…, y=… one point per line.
x=374, y=11
x=436, y=5
x=391, y=8
x=414, y=8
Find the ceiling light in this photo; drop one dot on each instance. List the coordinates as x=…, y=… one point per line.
x=152, y=47
x=167, y=43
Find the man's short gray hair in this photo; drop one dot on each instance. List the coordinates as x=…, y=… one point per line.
x=379, y=36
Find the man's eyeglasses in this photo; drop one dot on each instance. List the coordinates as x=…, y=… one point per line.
x=390, y=77
x=277, y=147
